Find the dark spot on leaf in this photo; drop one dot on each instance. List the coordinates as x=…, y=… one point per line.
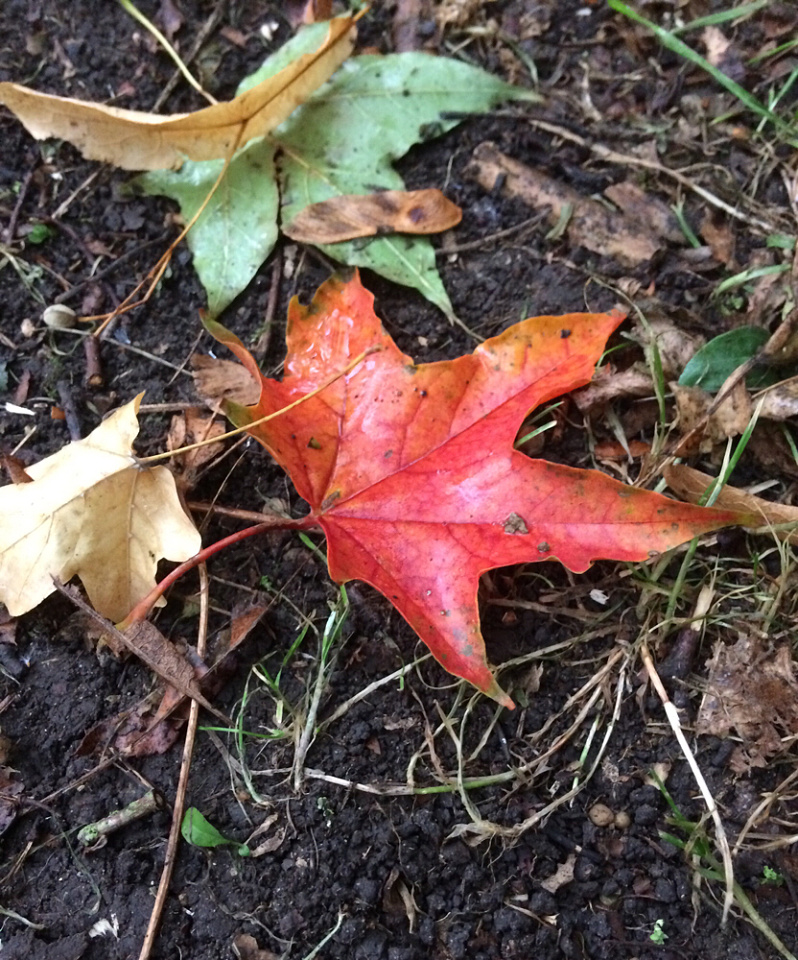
x=423, y=393
x=327, y=502
x=388, y=453
x=543, y=547
x=416, y=215
x=314, y=444
x=564, y=334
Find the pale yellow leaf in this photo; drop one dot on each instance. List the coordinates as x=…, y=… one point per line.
x=92, y=512
x=135, y=140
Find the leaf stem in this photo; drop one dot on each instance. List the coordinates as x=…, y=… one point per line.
x=143, y=607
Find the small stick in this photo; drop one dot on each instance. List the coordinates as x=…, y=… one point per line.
x=259, y=352
x=182, y=785
x=94, y=372
x=676, y=725
x=188, y=689
x=96, y=834
x=70, y=411
x=11, y=229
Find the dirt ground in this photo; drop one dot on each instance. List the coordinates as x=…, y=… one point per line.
x=370, y=851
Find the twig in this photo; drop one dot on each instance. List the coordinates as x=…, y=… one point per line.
x=182, y=785
x=207, y=28
x=259, y=351
x=94, y=376
x=676, y=725
x=11, y=229
x=70, y=411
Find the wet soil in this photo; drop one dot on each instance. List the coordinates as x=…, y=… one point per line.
x=380, y=876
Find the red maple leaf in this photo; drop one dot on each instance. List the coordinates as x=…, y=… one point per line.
x=410, y=470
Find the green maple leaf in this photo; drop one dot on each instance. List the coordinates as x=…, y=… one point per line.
x=343, y=140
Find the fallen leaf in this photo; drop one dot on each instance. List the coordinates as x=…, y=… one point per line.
x=589, y=223
x=410, y=471
x=751, y=688
x=246, y=947
x=645, y=212
x=218, y=381
x=608, y=384
x=719, y=235
x=366, y=215
x=92, y=512
x=692, y=485
x=780, y=402
x=722, y=54
x=665, y=327
x=188, y=428
x=135, y=140
x=329, y=148
x=712, y=426
x=717, y=360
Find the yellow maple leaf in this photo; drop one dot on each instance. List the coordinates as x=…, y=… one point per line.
x=91, y=511
x=136, y=140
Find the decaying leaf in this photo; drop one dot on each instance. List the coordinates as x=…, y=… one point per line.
x=713, y=424
x=220, y=381
x=92, y=512
x=410, y=469
x=780, y=402
x=188, y=428
x=367, y=215
x=752, y=689
x=11, y=790
x=692, y=485
x=135, y=140
x=608, y=384
x=589, y=223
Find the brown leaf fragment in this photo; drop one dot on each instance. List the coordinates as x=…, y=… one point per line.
x=387, y=211
x=608, y=384
x=188, y=428
x=244, y=620
x=718, y=234
x=691, y=485
x=246, y=947
x=160, y=655
x=780, y=402
x=135, y=140
x=15, y=469
x=644, y=211
x=562, y=875
x=752, y=689
x=665, y=327
x=722, y=54
x=589, y=223
x=729, y=419
x=10, y=792
x=219, y=381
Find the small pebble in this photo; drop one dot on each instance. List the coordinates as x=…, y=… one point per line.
x=601, y=815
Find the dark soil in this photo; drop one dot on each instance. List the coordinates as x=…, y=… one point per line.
x=346, y=857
